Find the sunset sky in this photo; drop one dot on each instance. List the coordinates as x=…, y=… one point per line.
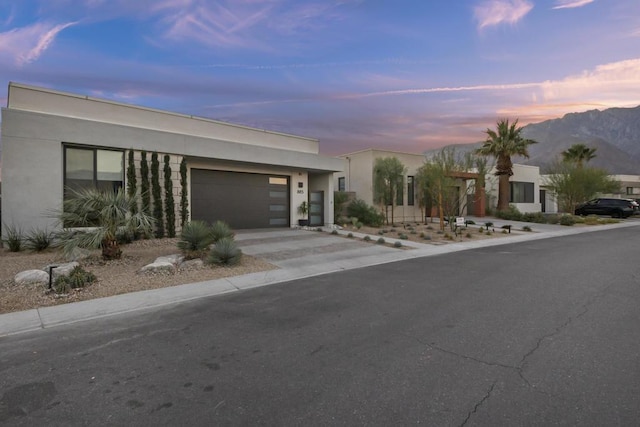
x=404, y=75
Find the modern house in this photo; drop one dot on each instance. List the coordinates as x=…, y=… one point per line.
x=526, y=193
x=250, y=178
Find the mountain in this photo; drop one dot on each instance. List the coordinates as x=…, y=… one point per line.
x=614, y=132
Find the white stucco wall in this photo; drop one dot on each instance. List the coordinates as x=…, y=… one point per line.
x=521, y=173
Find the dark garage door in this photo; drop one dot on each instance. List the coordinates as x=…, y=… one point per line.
x=242, y=200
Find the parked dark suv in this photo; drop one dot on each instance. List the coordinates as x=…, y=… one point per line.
x=617, y=208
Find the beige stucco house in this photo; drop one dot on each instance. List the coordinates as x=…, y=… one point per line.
x=250, y=178
x=357, y=177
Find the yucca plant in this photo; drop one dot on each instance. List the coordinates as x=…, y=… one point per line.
x=195, y=238
x=38, y=240
x=225, y=252
x=221, y=230
x=104, y=215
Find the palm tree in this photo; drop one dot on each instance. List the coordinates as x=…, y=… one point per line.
x=105, y=216
x=578, y=153
x=502, y=143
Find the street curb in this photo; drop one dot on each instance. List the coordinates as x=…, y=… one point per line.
x=57, y=315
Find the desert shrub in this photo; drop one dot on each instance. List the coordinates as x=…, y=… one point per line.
x=195, y=238
x=512, y=214
x=422, y=235
x=350, y=235
x=354, y=220
x=413, y=231
x=334, y=232
x=13, y=238
x=553, y=219
x=427, y=237
x=367, y=239
x=397, y=244
x=526, y=228
x=488, y=233
x=359, y=225
x=402, y=236
x=77, y=278
x=393, y=230
x=38, y=240
x=448, y=236
x=380, y=233
x=221, y=230
x=468, y=235
x=365, y=213
x=429, y=227
x=225, y=252
x=439, y=232
x=319, y=229
x=536, y=217
x=380, y=241
x=504, y=231
x=567, y=220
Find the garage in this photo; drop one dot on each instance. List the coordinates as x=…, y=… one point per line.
x=242, y=200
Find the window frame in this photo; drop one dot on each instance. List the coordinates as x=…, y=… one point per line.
x=528, y=189
x=94, y=179
x=411, y=188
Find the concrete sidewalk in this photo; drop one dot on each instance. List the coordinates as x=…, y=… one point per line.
x=298, y=253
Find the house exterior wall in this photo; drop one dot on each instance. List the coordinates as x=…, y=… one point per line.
x=521, y=173
x=37, y=123
x=358, y=176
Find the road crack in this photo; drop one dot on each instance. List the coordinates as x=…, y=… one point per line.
x=478, y=405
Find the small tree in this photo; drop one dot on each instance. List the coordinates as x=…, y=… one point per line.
x=573, y=184
x=156, y=195
x=388, y=178
x=184, y=201
x=169, y=205
x=439, y=185
x=132, y=185
x=145, y=194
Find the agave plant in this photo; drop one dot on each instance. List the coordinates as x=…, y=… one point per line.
x=95, y=218
x=225, y=252
x=221, y=230
x=195, y=238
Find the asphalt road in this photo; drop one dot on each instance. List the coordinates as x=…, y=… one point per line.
x=537, y=333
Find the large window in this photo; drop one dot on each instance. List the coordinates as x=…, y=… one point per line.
x=410, y=191
x=521, y=192
x=93, y=168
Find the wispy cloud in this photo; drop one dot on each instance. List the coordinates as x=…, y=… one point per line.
x=569, y=4
x=494, y=12
x=25, y=45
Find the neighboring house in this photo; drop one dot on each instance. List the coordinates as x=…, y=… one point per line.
x=250, y=178
x=357, y=177
x=526, y=193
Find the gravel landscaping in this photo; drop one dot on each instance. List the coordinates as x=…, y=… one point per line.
x=114, y=277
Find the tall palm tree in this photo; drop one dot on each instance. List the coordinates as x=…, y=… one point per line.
x=95, y=219
x=578, y=154
x=502, y=143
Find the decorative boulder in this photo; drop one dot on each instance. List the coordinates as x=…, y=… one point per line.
x=61, y=269
x=31, y=276
x=174, y=259
x=155, y=267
